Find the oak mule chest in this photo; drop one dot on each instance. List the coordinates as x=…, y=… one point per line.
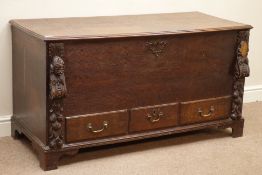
x=85, y=82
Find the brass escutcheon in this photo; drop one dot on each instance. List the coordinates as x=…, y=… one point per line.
x=156, y=47
x=155, y=116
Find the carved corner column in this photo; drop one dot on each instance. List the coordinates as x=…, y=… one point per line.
x=240, y=72
x=57, y=92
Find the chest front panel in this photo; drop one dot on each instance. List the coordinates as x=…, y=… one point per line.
x=114, y=74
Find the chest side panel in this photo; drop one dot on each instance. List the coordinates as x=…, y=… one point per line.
x=123, y=73
x=29, y=82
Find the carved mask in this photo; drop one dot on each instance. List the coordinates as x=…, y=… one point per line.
x=57, y=79
x=58, y=65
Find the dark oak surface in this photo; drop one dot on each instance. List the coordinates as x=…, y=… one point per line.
x=128, y=25
x=205, y=110
x=154, y=117
x=29, y=82
x=191, y=67
x=85, y=82
x=77, y=127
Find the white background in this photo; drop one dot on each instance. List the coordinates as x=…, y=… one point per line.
x=245, y=11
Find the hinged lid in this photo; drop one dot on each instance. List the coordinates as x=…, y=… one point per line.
x=122, y=26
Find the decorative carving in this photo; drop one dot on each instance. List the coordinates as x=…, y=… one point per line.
x=241, y=71
x=57, y=78
x=57, y=91
x=238, y=90
x=156, y=47
x=242, y=68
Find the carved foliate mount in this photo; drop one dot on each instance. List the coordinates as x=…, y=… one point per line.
x=57, y=91
x=241, y=71
x=156, y=47
x=242, y=68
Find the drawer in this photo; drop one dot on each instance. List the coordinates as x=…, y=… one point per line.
x=205, y=110
x=92, y=126
x=153, y=117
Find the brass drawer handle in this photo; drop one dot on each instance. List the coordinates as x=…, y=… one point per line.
x=155, y=116
x=211, y=110
x=90, y=127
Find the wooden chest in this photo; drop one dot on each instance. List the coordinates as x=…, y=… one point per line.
x=85, y=82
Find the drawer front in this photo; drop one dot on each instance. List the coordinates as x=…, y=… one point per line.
x=94, y=126
x=205, y=110
x=153, y=117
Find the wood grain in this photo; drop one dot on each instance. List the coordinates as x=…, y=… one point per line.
x=29, y=82
x=139, y=120
x=121, y=73
x=190, y=110
x=115, y=74
x=77, y=127
x=123, y=26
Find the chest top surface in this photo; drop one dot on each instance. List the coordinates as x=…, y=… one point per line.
x=122, y=26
